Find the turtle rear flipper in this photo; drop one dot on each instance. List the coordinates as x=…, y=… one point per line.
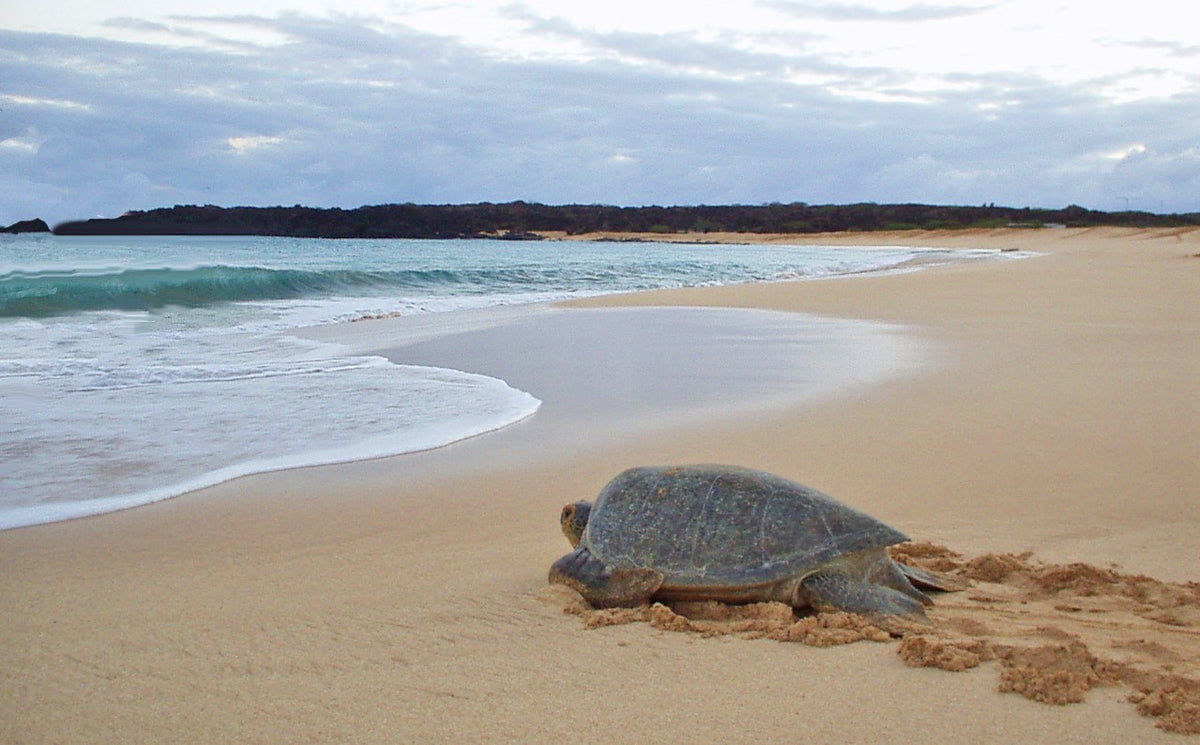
x=587, y=575
x=832, y=590
x=927, y=580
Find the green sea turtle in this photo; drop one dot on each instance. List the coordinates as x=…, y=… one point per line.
x=735, y=535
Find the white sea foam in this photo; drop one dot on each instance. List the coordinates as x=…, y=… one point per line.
x=149, y=434
x=412, y=434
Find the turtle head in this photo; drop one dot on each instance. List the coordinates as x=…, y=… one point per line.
x=574, y=520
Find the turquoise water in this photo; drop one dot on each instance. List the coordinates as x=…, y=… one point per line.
x=135, y=369
x=51, y=276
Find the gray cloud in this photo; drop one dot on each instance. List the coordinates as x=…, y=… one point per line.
x=349, y=111
x=917, y=13
x=1172, y=48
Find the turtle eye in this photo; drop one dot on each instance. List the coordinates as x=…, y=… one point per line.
x=568, y=512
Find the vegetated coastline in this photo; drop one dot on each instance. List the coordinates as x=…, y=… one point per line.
x=525, y=220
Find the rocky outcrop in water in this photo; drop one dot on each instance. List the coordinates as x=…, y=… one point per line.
x=36, y=225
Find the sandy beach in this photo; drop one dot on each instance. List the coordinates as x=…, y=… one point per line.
x=1045, y=450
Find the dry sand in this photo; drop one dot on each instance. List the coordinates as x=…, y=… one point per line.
x=1049, y=456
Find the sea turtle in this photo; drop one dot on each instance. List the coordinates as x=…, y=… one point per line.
x=707, y=532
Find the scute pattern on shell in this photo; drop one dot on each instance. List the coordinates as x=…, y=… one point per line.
x=724, y=525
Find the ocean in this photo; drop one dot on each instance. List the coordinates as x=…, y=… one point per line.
x=133, y=369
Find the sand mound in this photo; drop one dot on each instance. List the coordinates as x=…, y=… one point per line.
x=1058, y=630
x=1055, y=631
x=1052, y=673
x=753, y=621
x=954, y=655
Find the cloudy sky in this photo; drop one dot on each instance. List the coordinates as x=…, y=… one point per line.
x=109, y=106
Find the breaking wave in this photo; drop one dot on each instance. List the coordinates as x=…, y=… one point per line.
x=52, y=293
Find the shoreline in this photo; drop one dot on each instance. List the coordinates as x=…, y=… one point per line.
x=389, y=332
x=405, y=597
x=391, y=335
x=627, y=370
x=957, y=238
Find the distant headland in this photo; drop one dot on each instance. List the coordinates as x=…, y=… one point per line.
x=37, y=225
x=525, y=220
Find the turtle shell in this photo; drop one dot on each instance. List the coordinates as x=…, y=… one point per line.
x=724, y=525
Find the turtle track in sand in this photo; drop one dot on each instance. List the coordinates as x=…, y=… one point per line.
x=1054, y=631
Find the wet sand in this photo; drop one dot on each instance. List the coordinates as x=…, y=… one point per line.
x=1049, y=445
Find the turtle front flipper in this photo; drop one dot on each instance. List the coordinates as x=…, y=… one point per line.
x=587, y=575
x=832, y=590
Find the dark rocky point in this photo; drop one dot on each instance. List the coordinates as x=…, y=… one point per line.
x=37, y=225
